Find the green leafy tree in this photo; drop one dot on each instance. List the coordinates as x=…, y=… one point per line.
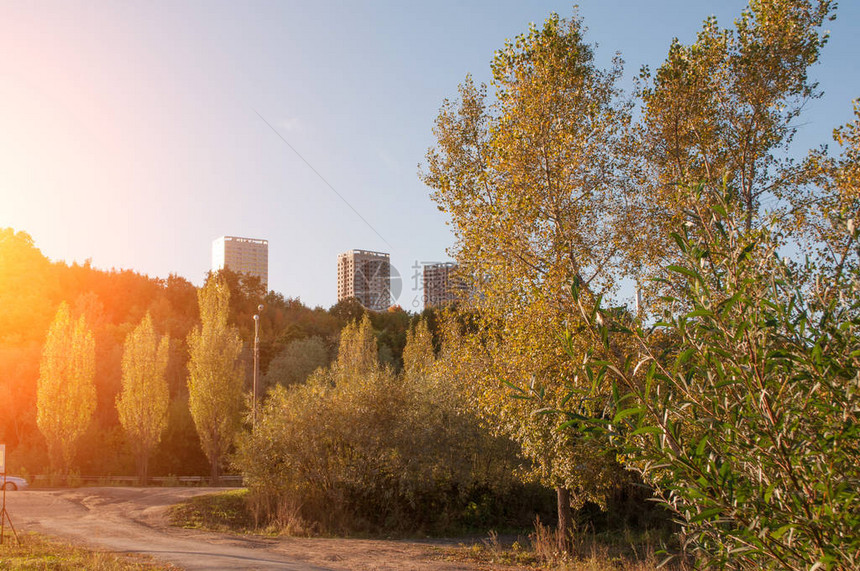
x=142, y=404
x=296, y=362
x=215, y=375
x=66, y=393
x=539, y=194
x=348, y=310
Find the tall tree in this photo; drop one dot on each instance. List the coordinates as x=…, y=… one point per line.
x=537, y=190
x=27, y=290
x=829, y=209
x=418, y=355
x=748, y=427
x=357, y=353
x=724, y=107
x=215, y=377
x=66, y=394
x=142, y=404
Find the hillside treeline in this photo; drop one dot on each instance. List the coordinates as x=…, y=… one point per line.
x=294, y=341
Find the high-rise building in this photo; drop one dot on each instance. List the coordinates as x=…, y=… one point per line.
x=365, y=276
x=441, y=284
x=242, y=255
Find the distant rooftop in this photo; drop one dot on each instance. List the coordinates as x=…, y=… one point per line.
x=365, y=252
x=241, y=239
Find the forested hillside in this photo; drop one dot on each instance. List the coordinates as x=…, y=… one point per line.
x=32, y=287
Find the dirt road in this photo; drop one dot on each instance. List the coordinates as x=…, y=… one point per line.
x=133, y=520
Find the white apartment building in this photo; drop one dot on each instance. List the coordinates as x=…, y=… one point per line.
x=243, y=255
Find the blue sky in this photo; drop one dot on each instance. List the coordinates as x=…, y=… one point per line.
x=131, y=133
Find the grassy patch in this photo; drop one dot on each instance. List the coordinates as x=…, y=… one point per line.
x=38, y=552
x=223, y=512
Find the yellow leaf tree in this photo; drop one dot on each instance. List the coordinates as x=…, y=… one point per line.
x=215, y=376
x=539, y=193
x=726, y=106
x=418, y=355
x=358, y=353
x=66, y=393
x=829, y=208
x=142, y=404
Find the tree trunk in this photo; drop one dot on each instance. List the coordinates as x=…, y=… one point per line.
x=216, y=472
x=143, y=468
x=565, y=519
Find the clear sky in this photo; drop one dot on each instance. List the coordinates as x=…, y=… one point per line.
x=135, y=133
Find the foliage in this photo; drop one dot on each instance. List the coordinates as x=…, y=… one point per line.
x=179, y=453
x=24, y=285
x=539, y=193
x=726, y=106
x=832, y=200
x=114, y=302
x=555, y=457
x=418, y=357
x=295, y=363
x=348, y=310
x=142, y=405
x=748, y=426
x=215, y=377
x=66, y=394
x=27, y=307
x=357, y=353
x=358, y=447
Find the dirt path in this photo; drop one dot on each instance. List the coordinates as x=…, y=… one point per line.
x=132, y=520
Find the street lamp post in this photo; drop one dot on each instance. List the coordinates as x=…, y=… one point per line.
x=256, y=364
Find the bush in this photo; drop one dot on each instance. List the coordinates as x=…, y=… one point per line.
x=365, y=453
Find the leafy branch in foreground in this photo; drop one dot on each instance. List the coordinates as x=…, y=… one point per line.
x=742, y=406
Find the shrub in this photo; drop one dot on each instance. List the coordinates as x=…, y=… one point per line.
x=747, y=421
x=359, y=448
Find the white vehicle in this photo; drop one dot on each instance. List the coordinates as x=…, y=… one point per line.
x=13, y=483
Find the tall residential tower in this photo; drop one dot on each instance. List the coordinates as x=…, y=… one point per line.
x=442, y=286
x=365, y=276
x=243, y=255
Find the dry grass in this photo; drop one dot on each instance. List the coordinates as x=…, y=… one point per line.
x=621, y=552
x=39, y=552
x=242, y=512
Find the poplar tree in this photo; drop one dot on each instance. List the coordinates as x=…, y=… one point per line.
x=537, y=188
x=357, y=354
x=215, y=376
x=829, y=209
x=142, y=404
x=724, y=107
x=418, y=355
x=66, y=392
